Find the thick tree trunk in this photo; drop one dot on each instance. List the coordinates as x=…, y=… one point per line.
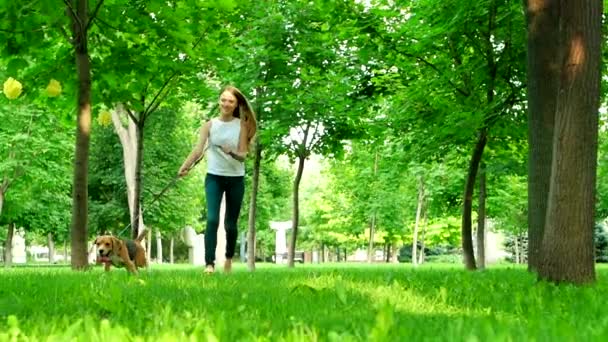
x=481, y=220
x=51, y=244
x=567, y=252
x=8, y=246
x=255, y=184
x=467, y=238
x=418, y=213
x=296, y=211
x=79, y=225
x=543, y=81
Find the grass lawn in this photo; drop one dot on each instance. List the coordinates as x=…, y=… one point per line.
x=329, y=303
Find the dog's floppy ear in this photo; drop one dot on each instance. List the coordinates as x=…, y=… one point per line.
x=116, y=244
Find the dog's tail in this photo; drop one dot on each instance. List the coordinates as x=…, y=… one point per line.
x=142, y=235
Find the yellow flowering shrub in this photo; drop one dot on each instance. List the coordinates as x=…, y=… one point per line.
x=12, y=88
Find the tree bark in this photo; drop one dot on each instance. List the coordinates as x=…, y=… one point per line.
x=481, y=220
x=542, y=18
x=296, y=211
x=255, y=184
x=79, y=224
x=567, y=251
x=8, y=246
x=467, y=238
x=418, y=213
x=51, y=244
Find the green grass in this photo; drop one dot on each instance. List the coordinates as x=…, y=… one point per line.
x=327, y=303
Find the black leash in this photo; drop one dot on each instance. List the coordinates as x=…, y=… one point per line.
x=162, y=192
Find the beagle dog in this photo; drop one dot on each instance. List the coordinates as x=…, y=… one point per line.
x=121, y=253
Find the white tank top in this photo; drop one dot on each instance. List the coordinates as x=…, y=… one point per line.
x=224, y=133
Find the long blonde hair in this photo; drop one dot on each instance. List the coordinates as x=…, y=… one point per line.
x=243, y=111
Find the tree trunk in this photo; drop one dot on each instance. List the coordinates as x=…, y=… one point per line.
x=543, y=82
x=481, y=220
x=372, y=226
x=385, y=252
x=128, y=140
x=8, y=246
x=159, y=247
x=148, y=244
x=255, y=184
x=51, y=244
x=370, y=246
x=492, y=70
x=322, y=253
x=418, y=212
x=422, y=245
x=516, y=246
x=467, y=238
x=3, y=189
x=137, y=220
x=65, y=252
x=567, y=251
x=171, y=255
x=394, y=255
x=79, y=225
x=296, y=211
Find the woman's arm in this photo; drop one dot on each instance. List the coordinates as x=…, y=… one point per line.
x=198, y=150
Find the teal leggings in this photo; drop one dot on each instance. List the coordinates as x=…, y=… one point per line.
x=215, y=187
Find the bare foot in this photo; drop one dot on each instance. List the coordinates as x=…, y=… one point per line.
x=209, y=269
x=228, y=266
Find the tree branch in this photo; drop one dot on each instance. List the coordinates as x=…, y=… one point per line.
x=155, y=99
x=73, y=12
x=94, y=14
x=434, y=67
x=131, y=115
x=97, y=19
